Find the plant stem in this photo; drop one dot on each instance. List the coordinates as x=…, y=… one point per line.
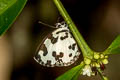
x=102, y=76
x=87, y=52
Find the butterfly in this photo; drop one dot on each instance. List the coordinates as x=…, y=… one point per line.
x=58, y=48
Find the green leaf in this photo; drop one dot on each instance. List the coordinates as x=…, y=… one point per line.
x=71, y=73
x=76, y=76
x=9, y=10
x=114, y=48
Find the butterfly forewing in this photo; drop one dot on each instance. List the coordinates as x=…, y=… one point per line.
x=58, y=49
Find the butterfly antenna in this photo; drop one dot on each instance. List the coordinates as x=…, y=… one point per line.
x=46, y=24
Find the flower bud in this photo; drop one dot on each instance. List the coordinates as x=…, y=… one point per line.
x=106, y=56
x=97, y=65
x=101, y=56
x=96, y=56
x=87, y=61
x=105, y=61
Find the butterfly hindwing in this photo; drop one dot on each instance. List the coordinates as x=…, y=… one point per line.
x=58, y=49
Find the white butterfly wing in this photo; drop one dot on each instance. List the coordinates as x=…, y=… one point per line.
x=58, y=49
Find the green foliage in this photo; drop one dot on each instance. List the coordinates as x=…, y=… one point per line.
x=77, y=75
x=9, y=10
x=114, y=48
x=72, y=74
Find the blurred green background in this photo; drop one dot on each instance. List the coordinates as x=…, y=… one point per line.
x=97, y=20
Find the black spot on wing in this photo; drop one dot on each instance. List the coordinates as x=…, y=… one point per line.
x=54, y=54
x=73, y=46
x=57, y=57
x=42, y=63
x=75, y=57
x=61, y=54
x=69, y=46
x=44, y=49
x=48, y=63
x=70, y=55
x=37, y=57
x=61, y=31
x=54, y=40
x=66, y=36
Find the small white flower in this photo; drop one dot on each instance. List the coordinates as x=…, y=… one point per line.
x=87, y=70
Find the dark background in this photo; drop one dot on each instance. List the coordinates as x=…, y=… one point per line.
x=97, y=20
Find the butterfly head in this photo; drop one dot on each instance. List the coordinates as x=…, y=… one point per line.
x=61, y=25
